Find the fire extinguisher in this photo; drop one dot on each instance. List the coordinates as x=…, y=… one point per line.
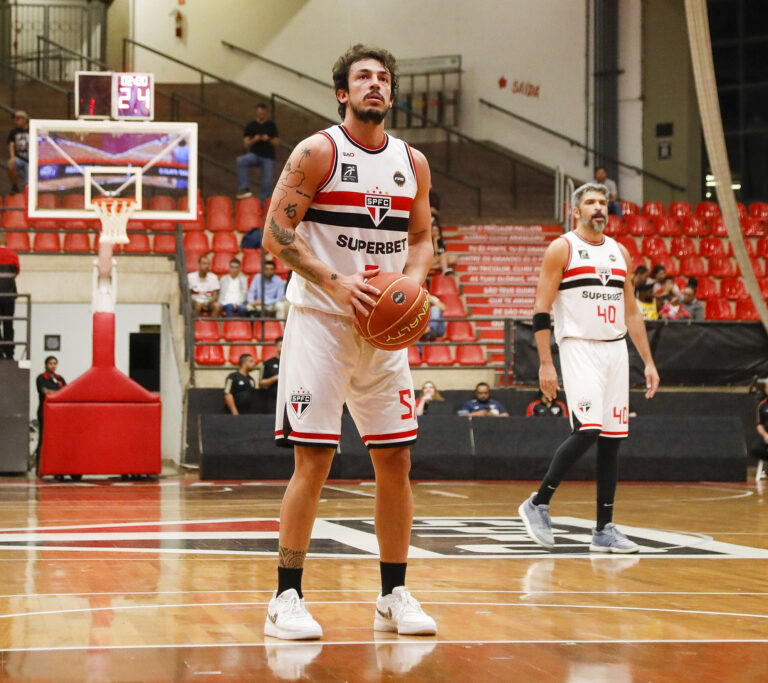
x=179, y=24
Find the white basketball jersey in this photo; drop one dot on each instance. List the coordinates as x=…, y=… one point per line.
x=359, y=216
x=590, y=300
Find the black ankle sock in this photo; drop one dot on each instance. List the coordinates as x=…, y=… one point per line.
x=289, y=578
x=392, y=575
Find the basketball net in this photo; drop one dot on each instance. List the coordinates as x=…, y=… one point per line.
x=114, y=214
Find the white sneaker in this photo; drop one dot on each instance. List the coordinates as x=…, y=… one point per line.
x=287, y=618
x=401, y=613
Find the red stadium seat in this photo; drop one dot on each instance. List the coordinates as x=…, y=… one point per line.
x=670, y=265
x=220, y=262
x=693, y=227
x=628, y=209
x=77, y=242
x=757, y=267
x=197, y=241
x=743, y=213
x=692, y=266
x=15, y=220
x=161, y=226
x=682, y=246
x=76, y=224
x=219, y=222
x=762, y=247
x=248, y=205
x=711, y=246
x=237, y=330
x=438, y=355
x=652, y=209
x=162, y=202
x=17, y=200
x=759, y=210
x=17, y=241
x=219, y=203
x=717, y=226
x=722, y=266
x=272, y=329
x=248, y=221
x=237, y=350
x=48, y=201
x=745, y=310
x=615, y=226
x=209, y=355
x=763, y=288
x=666, y=227
x=73, y=201
x=47, y=242
x=207, y=330
x=653, y=247
x=639, y=226
x=718, y=309
x=225, y=241
x=630, y=245
x=138, y=244
x=679, y=210
x=165, y=244
x=414, y=357
x=470, y=355
x=706, y=211
x=441, y=285
x=193, y=226
x=454, y=308
x=192, y=256
x=752, y=227
x=707, y=288
x=460, y=331
x=251, y=261
x=733, y=289
x=46, y=224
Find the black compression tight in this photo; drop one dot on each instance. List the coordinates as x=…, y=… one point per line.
x=607, y=475
x=567, y=453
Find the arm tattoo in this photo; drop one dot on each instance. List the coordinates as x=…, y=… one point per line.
x=282, y=236
x=291, y=559
x=334, y=276
x=290, y=254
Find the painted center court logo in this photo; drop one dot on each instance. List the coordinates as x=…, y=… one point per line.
x=604, y=273
x=300, y=402
x=378, y=206
x=348, y=173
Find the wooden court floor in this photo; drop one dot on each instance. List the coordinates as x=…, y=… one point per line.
x=161, y=581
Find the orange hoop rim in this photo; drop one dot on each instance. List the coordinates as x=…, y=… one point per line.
x=114, y=201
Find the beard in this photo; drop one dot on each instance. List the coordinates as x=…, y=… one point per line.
x=368, y=114
x=589, y=222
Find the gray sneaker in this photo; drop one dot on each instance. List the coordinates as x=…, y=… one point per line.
x=611, y=540
x=537, y=523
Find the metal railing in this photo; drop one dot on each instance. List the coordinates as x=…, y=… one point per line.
x=27, y=318
x=575, y=143
x=69, y=94
x=44, y=56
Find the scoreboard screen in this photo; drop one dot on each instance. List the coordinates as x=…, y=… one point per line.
x=119, y=96
x=93, y=94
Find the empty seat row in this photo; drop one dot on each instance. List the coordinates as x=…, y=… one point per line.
x=690, y=226
x=444, y=355
x=220, y=355
x=681, y=210
x=237, y=330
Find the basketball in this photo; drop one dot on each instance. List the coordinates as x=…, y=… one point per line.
x=400, y=315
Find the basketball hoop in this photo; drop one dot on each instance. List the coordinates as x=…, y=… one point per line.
x=114, y=214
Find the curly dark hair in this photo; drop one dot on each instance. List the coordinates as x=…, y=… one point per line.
x=357, y=53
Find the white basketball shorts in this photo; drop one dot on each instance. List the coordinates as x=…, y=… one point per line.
x=596, y=381
x=325, y=363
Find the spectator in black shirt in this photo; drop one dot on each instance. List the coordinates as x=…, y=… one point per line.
x=18, y=146
x=9, y=269
x=47, y=383
x=260, y=142
x=759, y=447
x=269, y=375
x=239, y=387
x=546, y=407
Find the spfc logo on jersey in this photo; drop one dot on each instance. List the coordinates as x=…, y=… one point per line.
x=349, y=173
x=604, y=273
x=584, y=405
x=300, y=402
x=378, y=206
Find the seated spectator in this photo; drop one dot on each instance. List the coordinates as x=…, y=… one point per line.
x=673, y=310
x=691, y=304
x=428, y=394
x=657, y=277
x=204, y=288
x=272, y=288
x=252, y=239
x=546, y=407
x=614, y=205
x=233, y=291
x=436, y=327
x=239, y=386
x=269, y=373
x=669, y=291
x=759, y=447
x=483, y=405
x=640, y=277
x=18, y=146
x=646, y=303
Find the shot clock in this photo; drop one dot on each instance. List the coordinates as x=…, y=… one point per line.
x=115, y=95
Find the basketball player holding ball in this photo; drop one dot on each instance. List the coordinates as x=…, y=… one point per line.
x=352, y=201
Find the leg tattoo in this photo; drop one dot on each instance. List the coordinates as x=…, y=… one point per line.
x=291, y=559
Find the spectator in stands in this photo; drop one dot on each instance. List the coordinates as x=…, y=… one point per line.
x=269, y=375
x=759, y=447
x=669, y=291
x=483, y=405
x=640, y=277
x=691, y=304
x=646, y=303
x=673, y=310
x=9, y=269
x=442, y=260
x=233, y=291
x=614, y=205
x=657, y=277
x=204, y=288
x=546, y=407
x=428, y=394
x=18, y=150
x=239, y=386
x=252, y=238
x=260, y=142
x=272, y=288
x=436, y=327
x=47, y=382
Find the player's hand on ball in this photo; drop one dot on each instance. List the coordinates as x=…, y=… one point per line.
x=548, y=381
x=352, y=292
x=651, y=380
